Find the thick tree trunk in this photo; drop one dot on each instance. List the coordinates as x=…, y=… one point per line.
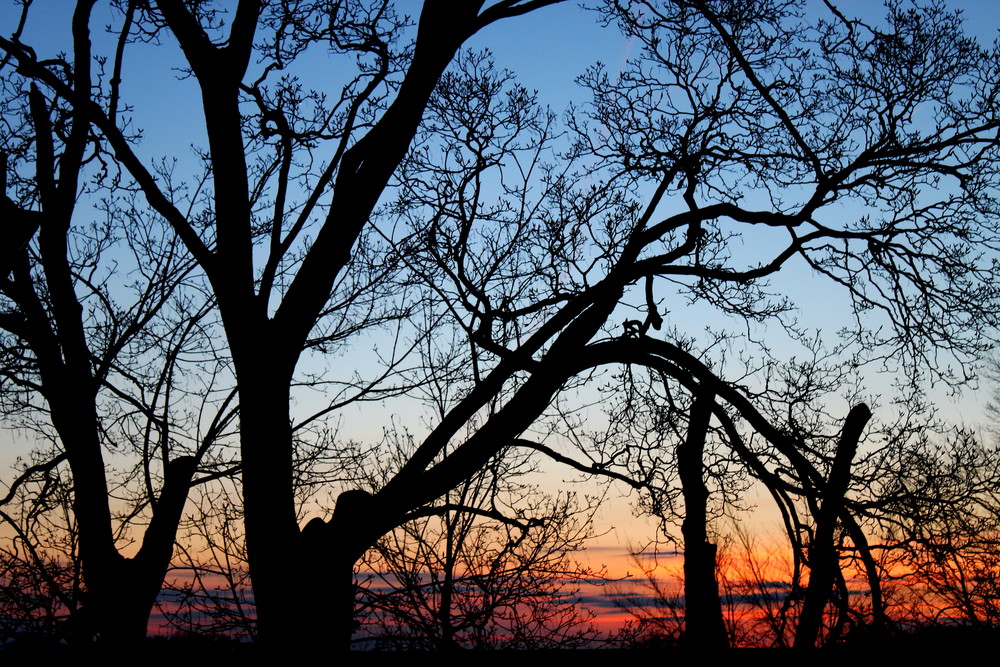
x=704, y=626
x=303, y=581
x=327, y=618
x=120, y=592
x=75, y=419
x=272, y=535
x=127, y=606
x=330, y=550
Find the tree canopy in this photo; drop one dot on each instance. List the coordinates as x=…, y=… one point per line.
x=366, y=177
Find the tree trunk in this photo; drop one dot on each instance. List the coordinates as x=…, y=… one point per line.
x=120, y=592
x=823, y=558
x=272, y=534
x=704, y=626
x=329, y=552
x=74, y=417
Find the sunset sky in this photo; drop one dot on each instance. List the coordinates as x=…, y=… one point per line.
x=547, y=50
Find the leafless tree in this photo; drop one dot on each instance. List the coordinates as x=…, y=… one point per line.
x=739, y=147
x=103, y=328
x=491, y=567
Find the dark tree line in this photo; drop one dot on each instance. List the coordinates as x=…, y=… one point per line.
x=420, y=191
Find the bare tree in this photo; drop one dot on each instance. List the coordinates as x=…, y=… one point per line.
x=207, y=591
x=933, y=506
x=490, y=567
x=102, y=321
x=738, y=147
x=368, y=133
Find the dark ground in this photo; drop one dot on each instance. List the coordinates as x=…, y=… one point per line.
x=962, y=641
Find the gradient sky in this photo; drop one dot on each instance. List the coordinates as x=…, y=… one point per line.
x=547, y=50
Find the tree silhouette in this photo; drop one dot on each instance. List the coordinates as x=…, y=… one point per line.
x=488, y=568
x=366, y=151
x=93, y=360
x=933, y=505
x=739, y=147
